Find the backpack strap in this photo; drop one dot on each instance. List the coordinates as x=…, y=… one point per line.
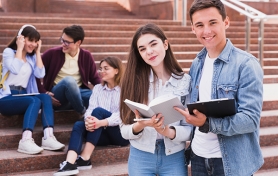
x=3, y=78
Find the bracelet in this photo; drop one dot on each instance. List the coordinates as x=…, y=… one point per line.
x=163, y=129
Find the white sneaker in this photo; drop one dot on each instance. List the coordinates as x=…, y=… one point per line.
x=28, y=146
x=51, y=143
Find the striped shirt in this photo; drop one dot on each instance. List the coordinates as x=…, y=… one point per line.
x=108, y=99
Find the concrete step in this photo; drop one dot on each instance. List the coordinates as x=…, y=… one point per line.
x=269, y=118
x=269, y=172
x=270, y=154
x=41, y=18
x=12, y=161
x=123, y=27
x=269, y=136
x=175, y=47
x=115, y=169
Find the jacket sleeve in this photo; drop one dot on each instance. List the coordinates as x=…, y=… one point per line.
x=127, y=132
x=249, y=97
x=93, y=75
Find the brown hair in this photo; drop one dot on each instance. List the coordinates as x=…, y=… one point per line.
x=29, y=32
x=204, y=4
x=76, y=32
x=135, y=82
x=116, y=63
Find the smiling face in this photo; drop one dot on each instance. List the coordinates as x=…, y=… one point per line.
x=210, y=30
x=30, y=45
x=152, y=49
x=69, y=46
x=107, y=73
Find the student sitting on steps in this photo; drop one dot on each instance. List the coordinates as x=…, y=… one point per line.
x=102, y=119
x=22, y=61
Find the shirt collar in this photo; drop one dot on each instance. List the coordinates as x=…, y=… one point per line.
x=224, y=55
x=117, y=88
x=173, y=79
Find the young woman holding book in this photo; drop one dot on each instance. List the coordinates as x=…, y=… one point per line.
x=152, y=71
x=102, y=119
x=22, y=61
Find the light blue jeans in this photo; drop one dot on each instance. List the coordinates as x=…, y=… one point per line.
x=71, y=96
x=142, y=163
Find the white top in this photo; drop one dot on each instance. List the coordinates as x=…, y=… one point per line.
x=108, y=99
x=22, y=78
x=146, y=140
x=206, y=144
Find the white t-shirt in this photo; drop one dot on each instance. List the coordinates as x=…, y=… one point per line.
x=206, y=144
x=22, y=78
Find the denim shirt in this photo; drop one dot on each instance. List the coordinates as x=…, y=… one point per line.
x=236, y=74
x=146, y=140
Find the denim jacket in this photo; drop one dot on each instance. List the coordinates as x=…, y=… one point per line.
x=145, y=140
x=236, y=74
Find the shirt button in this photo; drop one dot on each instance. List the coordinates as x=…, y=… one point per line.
x=197, y=87
x=169, y=151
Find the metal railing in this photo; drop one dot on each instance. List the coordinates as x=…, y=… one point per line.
x=249, y=12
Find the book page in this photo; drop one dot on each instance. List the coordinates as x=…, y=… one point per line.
x=143, y=109
x=165, y=105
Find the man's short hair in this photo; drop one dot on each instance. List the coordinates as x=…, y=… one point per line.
x=204, y=4
x=76, y=32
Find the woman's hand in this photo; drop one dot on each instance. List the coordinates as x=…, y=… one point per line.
x=38, y=49
x=20, y=42
x=92, y=123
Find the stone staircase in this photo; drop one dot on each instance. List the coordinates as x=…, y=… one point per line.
x=111, y=35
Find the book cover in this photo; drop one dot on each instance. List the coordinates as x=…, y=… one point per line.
x=162, y=104
x=214, y=108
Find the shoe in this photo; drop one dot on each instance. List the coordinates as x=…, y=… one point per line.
x=51, y=143
x=66, y=168
x=28, y=146
x=82, y=164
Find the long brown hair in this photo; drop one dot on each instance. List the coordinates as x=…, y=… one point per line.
x=29, y=32
x=116, y=63
x=135, y=82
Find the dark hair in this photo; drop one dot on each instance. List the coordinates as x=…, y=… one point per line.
x=135, y=82
x=76, y=32
x=116, y=63
x=29, y=32
x=204, y=4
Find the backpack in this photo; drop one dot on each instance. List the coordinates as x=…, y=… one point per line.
x=2, y=80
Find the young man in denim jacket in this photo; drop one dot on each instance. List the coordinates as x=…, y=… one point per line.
x=229, y=145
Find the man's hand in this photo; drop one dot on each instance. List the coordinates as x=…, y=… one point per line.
x=198, y=119
x=55, y=102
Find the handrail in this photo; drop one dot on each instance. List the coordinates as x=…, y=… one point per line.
x=255, y=15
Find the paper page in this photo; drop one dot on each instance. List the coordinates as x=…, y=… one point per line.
x=143, y=109
x=166, y=108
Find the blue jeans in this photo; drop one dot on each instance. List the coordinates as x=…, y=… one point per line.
x=141, y=163
x=100, y=137
x=206, y=166
x=29, y=106
x=71, y=96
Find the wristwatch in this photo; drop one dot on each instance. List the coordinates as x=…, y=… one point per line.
x=205, y=128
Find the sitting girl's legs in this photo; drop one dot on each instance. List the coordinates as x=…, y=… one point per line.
x=29, y=106
x=49, y=141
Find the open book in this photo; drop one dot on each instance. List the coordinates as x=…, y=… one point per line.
x=214, y=108
x=162, y=104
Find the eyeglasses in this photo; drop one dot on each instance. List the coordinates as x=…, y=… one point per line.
x=65, y=42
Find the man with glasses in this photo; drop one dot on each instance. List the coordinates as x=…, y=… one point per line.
x=68, y=71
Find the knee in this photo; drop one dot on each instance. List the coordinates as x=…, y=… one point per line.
x=97, y=111
x=68, y=81
x=79, y=126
